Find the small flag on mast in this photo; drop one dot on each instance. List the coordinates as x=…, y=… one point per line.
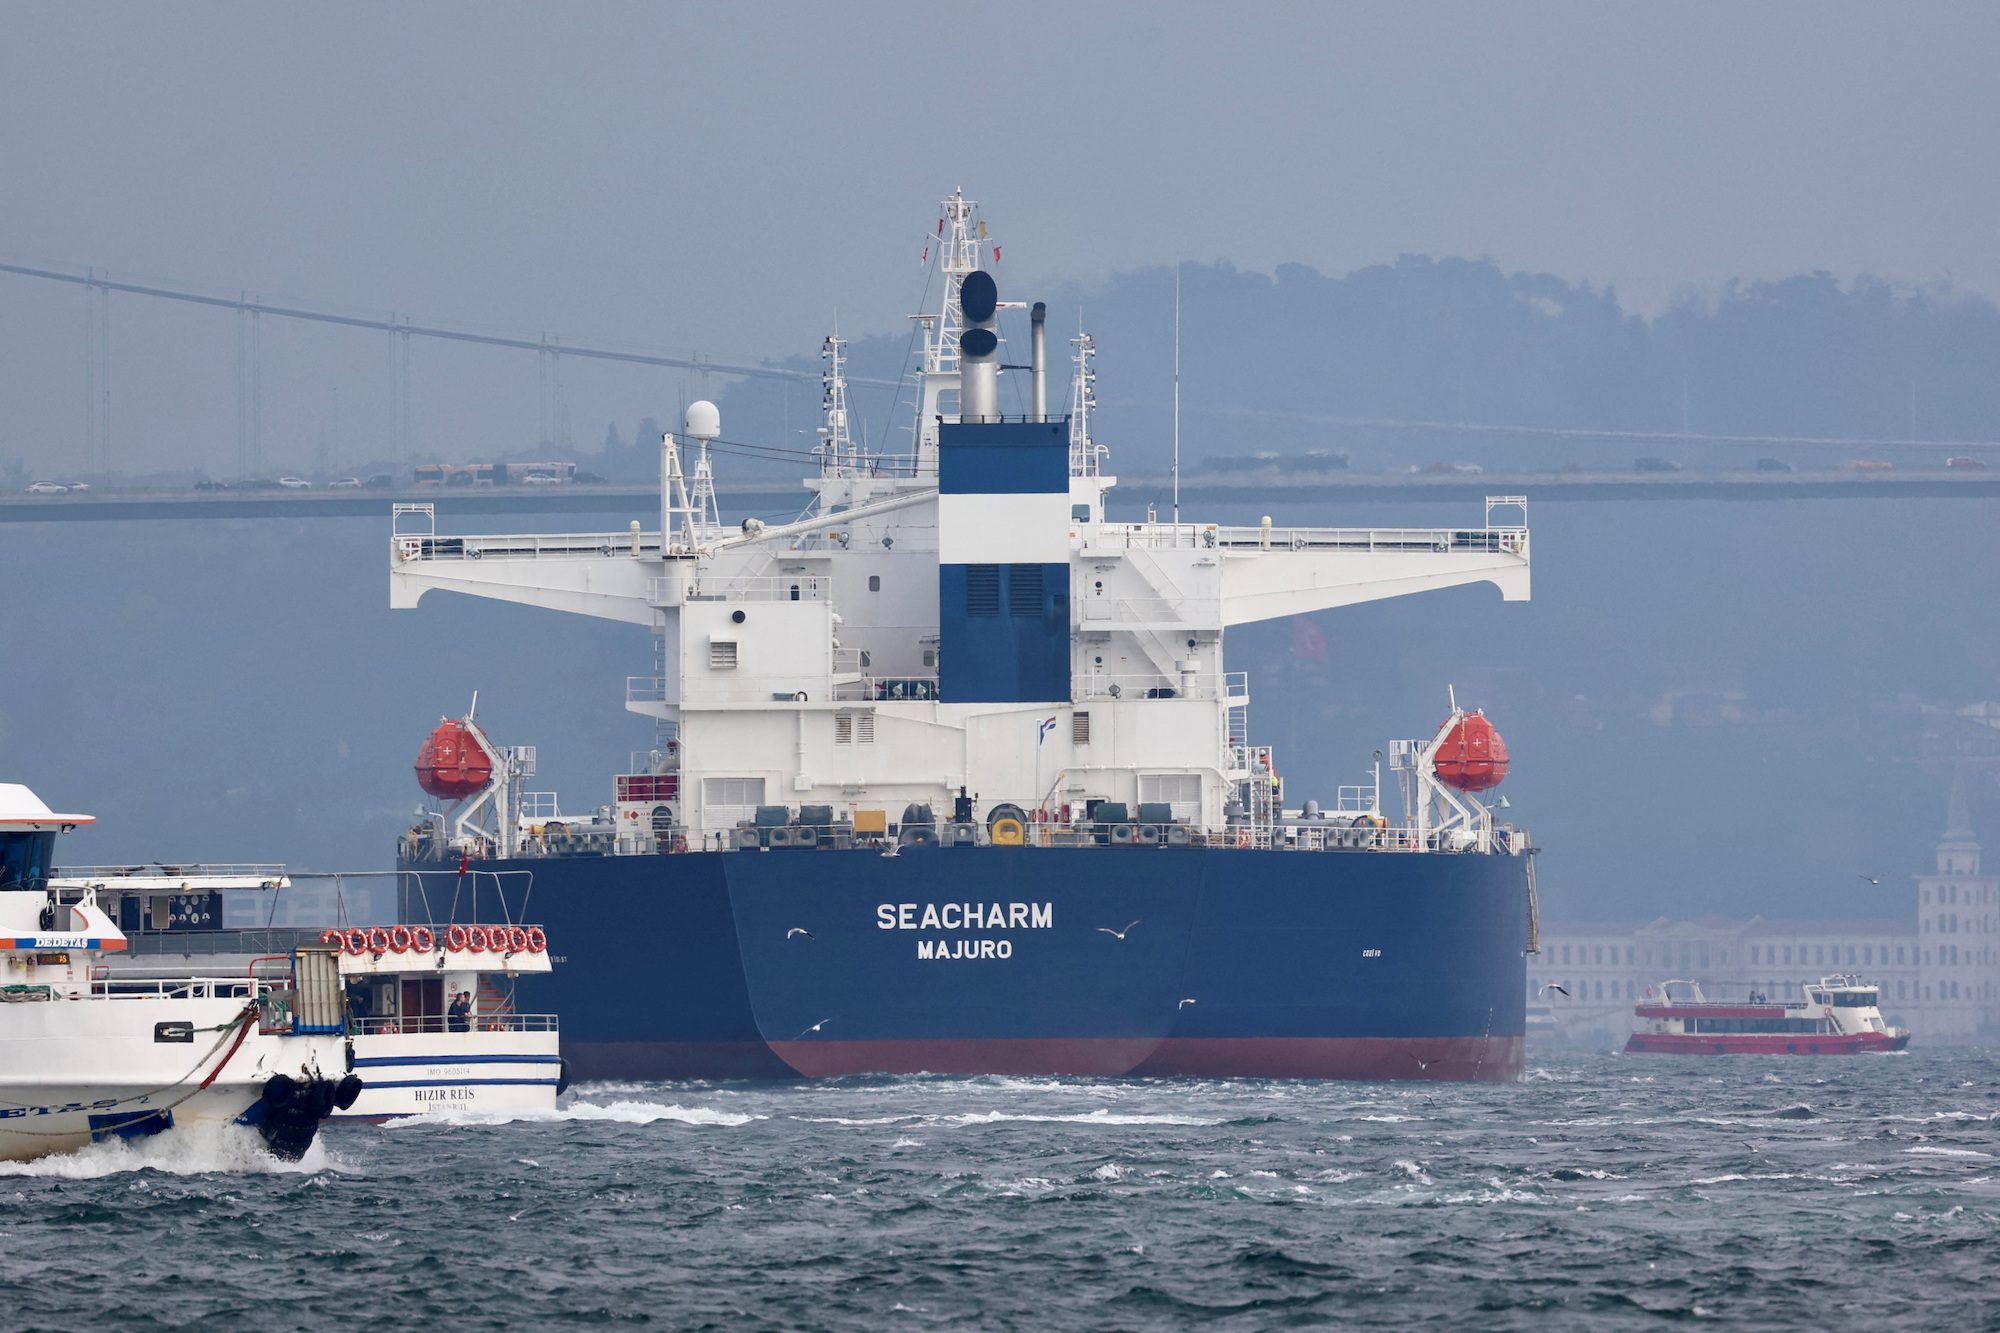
x=1047, y=727
x=996, y=254
x=927, y=256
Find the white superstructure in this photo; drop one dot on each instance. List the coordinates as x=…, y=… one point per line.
x=800, y=664
x=89, y=1054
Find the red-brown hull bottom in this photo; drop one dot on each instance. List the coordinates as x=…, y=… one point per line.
x=1866, y=1043
x=1454, y=1059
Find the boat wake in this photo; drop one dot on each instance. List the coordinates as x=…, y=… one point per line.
x=193, y=1150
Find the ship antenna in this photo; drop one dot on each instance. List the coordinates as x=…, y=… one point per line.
x=1177, y=394
x=836, y=447
x=1082, y=397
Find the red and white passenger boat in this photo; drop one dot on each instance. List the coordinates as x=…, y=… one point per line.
x=1837, y=1015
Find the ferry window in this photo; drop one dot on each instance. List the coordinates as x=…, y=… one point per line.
x=874, y=583
x=24, y=859
x=1079, y=513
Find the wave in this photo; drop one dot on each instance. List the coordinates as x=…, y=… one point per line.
x=1944, y=1152
x=619, y=1112
x=1097, y=1117
x=186, y=1150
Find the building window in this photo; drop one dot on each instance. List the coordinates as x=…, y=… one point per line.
x=1628, y=959
x=1867, y=954
x=1599, y=959
x=874, y=583
x=1788, y=953
x=1600, y=990
x=1899, y=954
x=1565, y=953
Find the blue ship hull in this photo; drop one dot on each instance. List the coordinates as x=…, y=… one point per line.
x=988, y=960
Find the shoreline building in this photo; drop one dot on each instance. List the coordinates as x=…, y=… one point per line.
x=1939, y=974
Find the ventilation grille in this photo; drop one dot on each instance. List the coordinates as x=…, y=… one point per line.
x=1079, y=728
x=1024, y=590
x=854, y=726
x=982, y=590
x=722, y=654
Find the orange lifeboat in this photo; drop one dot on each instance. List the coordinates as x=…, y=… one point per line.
x=1471, y=757
x=452, y=764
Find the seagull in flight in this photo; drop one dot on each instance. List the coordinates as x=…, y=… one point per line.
x=1422, y=1064
x=893, y=850
x=1120, y=934
x=1870, y=878
x=1184, y=1003
x=797, y=931
x=811, y=1030
x=1555, y=986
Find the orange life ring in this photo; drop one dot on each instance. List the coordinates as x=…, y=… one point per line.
x=355, y=942
x=332, y=937
x=1243, y=842
x=422, y=940
x=378, y=940
x=457, y=939
x=400, y=939
x=517, y=940
x=538, y=939
x=475, y=939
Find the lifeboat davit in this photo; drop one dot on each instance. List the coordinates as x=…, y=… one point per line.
x=453, y=764
x=1471, y=757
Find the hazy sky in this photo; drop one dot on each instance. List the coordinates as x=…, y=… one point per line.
x=729, y=177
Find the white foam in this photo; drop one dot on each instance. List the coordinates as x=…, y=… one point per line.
x=621, y=1112
x=200, y=1149
x=1109, y=1171
x=1944, y=1152
x=1097, y=1117
x=1413, y=1172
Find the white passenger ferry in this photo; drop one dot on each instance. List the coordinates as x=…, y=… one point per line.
x=1837, y=1015
x=88, y=1054
x=431, y=1009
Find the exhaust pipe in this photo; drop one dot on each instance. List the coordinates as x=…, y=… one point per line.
x=1038, y=358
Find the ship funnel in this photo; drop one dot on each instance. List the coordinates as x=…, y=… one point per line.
x=1038, y=358
x=978, y=348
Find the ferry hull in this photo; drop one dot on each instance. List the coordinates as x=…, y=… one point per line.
x=1671, y=1043
x=1156, y=962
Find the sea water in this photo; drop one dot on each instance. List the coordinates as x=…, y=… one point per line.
x=1607, y=1191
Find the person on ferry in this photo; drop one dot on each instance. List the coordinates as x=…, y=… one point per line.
x=459, y=1017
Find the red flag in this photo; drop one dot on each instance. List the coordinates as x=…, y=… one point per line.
x=940, y=226
x=464, y=862
x=996, y=254
x=927, y=256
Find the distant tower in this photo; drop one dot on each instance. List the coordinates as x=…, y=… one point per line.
x=1958, y=954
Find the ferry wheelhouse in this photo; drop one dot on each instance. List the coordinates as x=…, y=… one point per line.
x=1837, y=1015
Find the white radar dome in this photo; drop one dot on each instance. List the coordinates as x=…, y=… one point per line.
x=704, y=420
